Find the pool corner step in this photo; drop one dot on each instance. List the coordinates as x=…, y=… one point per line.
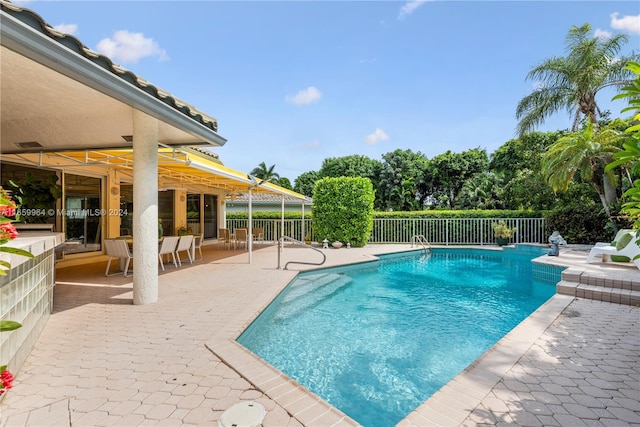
x=588, y=285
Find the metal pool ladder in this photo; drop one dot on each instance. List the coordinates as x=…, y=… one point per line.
x=298, y=242
x=420, y=239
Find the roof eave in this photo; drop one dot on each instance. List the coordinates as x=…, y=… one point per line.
x=34, y=45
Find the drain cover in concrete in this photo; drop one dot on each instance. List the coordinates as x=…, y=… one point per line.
x=243, y=414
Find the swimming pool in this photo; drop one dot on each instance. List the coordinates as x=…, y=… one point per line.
x=375, y=340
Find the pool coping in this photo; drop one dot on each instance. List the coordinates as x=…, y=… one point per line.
x=455, y=401
x=450, y=405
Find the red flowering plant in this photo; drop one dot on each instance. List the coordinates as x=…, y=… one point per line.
x=6, y=377
x=7, y=232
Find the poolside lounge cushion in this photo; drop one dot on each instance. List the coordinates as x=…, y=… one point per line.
x=624, y=241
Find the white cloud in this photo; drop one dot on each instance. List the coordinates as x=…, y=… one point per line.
x=130, y=47
x=305, y=96
x=409, y=7
x=313, y=144
x=70, y=29
x=603, y=34
x=630, y=23
x=377, y=136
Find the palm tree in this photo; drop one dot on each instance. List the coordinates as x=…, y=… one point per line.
x=572, y=82
x=586, y=152
x=264, y=173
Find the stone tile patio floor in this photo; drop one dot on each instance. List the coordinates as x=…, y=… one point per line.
x=102, y=361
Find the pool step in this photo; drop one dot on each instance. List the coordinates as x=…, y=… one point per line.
x=310, y=290
x=623, y=289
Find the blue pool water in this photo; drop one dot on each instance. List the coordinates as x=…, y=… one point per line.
x=377, y=339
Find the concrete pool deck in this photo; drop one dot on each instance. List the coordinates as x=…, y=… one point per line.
x=102, y=361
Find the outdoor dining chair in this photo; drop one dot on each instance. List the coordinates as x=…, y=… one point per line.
x=168, y=247
x=241, y=237
x=117, y=248
x=197, y=245
x=224, y=236
x=258, y=234
x=184, y=245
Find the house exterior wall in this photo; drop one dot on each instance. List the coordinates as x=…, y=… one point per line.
x=26, y=293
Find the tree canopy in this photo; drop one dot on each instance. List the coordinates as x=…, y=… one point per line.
x=572, y=82
x=265, y=173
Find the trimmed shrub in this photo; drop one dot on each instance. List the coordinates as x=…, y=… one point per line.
x=584, y=224
x=343, y=210
x=268, y=215
x=461, y=214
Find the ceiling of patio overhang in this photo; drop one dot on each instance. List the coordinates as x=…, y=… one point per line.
x=61, y=95
x=177, y=168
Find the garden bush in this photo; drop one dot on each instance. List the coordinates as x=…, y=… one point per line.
x=585, y=224
x=343, y=210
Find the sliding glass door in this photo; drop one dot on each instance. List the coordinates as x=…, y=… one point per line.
x=82, y=213
x=210, y=212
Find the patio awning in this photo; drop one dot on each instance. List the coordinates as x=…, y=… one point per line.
x=177, y=168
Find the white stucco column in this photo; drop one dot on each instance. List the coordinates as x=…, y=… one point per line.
x=145, y=208
x=282, y=222
x=304, y=236
x=250, y=225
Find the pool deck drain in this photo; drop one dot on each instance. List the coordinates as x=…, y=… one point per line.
x=102, y=361
x=243, y=414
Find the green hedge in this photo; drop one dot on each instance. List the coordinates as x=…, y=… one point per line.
x=404, y=214
x=343, y=210
x=462, y=214
x=268, y=215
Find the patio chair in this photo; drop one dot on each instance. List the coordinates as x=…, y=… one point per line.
x=625, y=246
x=168, y=247
x=184, y=245
x=117, y=248
x=197, y=244
x=224, y=236
x=241, y=237
x=258, y=234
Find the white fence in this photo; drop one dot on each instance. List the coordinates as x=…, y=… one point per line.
x=438, y=231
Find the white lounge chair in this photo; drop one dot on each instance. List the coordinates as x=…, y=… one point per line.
x=117, y=248
x=629, y=248
x=619, y=235
x=185, y=245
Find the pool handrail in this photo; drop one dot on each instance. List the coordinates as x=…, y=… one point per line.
x=419, y=238
x=298, y=242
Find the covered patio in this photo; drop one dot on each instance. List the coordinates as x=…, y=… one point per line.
x=74, y=115
x=71, y=109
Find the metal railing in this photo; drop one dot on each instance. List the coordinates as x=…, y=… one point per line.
x=273, y=228
x=420, y=239
x=437, y=231
x=298, y=242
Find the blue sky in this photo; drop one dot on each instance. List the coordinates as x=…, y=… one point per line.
x=292, y=83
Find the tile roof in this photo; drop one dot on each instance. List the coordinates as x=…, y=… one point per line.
x=33, y=20
x=243, y=198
